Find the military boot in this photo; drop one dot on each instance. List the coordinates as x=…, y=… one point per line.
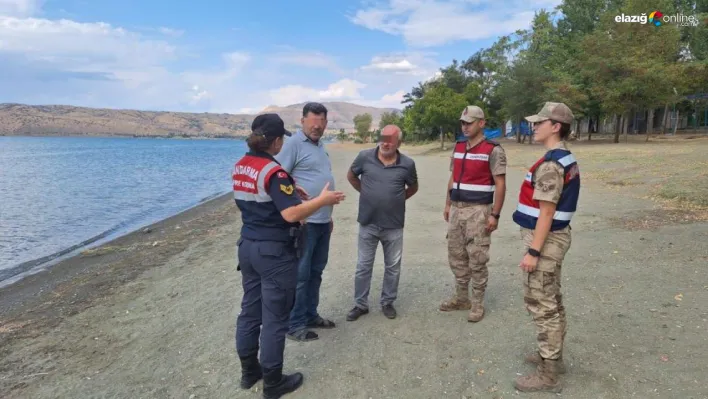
x=461, y=300
x=251, y=371
x=275, y=384
x=535, y=358
x=545, y=378
x=477, y=307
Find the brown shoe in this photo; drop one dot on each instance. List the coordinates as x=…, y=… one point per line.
x=545, y=378
x=477, y=309
x=535, y=358
x=461, y=300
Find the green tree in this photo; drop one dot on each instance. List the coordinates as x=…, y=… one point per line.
x=695, y=37
x=437, y=112
x=362, y=123
x=521, y=91
x=391, y=118
x=624, y=78
x=577, y=54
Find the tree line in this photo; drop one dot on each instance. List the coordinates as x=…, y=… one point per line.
x=363, y=124
x=608, y=72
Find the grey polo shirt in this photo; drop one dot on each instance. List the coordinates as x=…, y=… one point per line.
x=308, y=163
x=382, y=200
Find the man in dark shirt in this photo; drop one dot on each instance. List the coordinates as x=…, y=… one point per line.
x=385, y=179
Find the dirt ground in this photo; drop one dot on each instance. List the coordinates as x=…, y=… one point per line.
x=152, y=315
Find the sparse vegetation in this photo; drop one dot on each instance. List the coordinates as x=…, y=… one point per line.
x=63, y=120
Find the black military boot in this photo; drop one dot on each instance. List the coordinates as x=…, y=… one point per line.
x=275, y=384
x=250, y=371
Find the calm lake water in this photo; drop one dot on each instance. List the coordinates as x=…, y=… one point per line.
x=56, y=193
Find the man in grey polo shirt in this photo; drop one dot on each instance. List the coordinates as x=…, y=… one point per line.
x=385, y=179
x=304, y=156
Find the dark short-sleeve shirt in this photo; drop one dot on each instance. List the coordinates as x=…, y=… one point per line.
x=382, y=200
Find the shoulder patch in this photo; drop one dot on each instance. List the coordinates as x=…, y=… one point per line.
x=282, y=175
x=287, y=189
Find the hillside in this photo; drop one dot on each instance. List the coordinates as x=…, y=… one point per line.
x=60, y=120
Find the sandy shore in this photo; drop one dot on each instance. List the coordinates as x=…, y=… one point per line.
x=152, y=315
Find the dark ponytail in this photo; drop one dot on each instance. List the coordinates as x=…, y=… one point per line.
x=259, y=142
x=564, y=130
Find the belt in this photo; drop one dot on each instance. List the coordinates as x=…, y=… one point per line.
x=463, y=204
x=297, y=240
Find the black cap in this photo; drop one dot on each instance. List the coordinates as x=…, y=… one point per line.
x=269, y=125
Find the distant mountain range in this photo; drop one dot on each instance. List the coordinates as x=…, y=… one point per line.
x=65, y=120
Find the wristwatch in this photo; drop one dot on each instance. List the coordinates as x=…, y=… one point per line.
x=534, y=253
x=496, y=215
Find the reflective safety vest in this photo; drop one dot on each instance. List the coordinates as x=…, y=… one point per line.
x=528, y=209
x=261, y=219
x=472, y=179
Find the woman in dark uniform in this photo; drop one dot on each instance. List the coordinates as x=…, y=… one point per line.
x=271, y=211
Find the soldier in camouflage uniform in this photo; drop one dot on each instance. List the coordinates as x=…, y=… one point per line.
x=547, y=202
x=475, y=197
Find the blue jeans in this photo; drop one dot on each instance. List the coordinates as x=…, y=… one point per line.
x=309, y=277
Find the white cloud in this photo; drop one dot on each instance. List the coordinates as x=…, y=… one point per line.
x=391, y=64
x=392, y=100
x=95, y=64
x=345, y=89
x=409, y=65
x=217, y=86
x=19, y=8
x=80, y=45
x=437, y=75
x=427, y=23
x=199, y=94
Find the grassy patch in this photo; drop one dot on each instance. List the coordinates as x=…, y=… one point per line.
x=653, y=219
x=695, y=194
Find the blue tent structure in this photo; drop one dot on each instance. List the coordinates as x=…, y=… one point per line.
x=488, y=133
x=492, y=133
x=497, y=133
x=523, y=127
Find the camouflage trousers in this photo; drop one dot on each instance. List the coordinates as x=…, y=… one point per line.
x=542, y=292
x=468, y=244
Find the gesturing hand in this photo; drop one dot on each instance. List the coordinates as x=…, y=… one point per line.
x=331, y=197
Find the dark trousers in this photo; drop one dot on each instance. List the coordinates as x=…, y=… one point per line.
x=269, y=278
x=309, y=277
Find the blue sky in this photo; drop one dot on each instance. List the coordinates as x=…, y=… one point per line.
x=238, y=56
